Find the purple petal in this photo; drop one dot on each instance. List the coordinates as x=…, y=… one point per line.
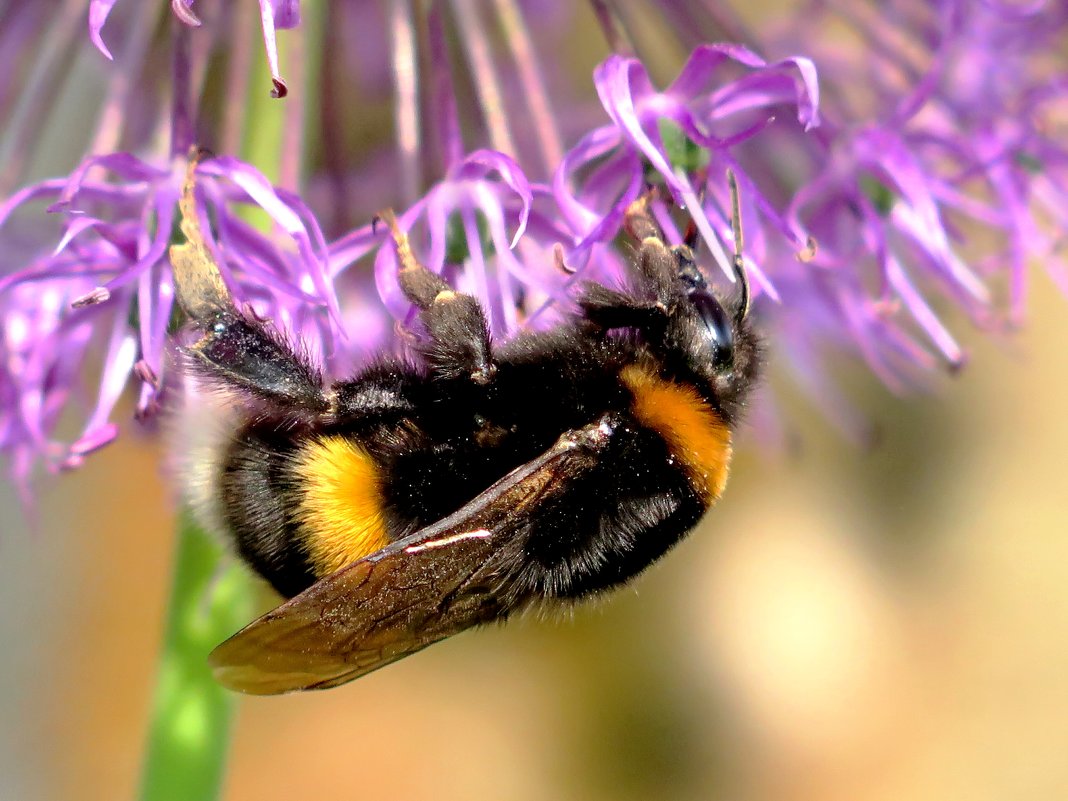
x=155, y=297
x=476, y=266
x=351, y=248
x=120, y=357
x=479, y=163
x=75, y=227
x=260, y=191
x=614, y=78
x=387, y=285
x=49, y=188
x=267, y=14
x=924, y=314
x=162, y=209
x=592, y=147
x=125, y=165
x=98, y=15
x=91, y=441
x=704, y=61
x=286, y=13
x=255, y=184
x=437, y=213
x=183, y=10
x=774, y=85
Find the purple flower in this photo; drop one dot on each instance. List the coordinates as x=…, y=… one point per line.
x=699, y=108
x=921, y=148
x=107, y=281
x=860, y=191
x=484, y=206
x=855, y=213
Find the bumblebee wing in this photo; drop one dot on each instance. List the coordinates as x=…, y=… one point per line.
x=359, y=619
x=439, y=581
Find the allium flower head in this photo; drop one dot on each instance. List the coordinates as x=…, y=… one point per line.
x=108, y=273
x=860, y=188
x=95, y=306
x=934, y=178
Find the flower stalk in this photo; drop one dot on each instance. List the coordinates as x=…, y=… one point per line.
x=188, y=738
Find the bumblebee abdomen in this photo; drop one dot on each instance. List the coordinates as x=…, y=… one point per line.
x=303, y=503
x=300, y=506
x=259, y=494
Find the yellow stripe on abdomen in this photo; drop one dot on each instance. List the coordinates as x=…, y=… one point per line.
x=341, y=511
x=694, y=431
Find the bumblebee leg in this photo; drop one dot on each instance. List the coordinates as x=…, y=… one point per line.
x=646, y=304
x=659, y=265
x=240, y=351
x=607, y=308
x=234, y=349
x=459, y=341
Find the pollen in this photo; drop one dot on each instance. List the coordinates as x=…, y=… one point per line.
x=695, y=433
x=342, y=509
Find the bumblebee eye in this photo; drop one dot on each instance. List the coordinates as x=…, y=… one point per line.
x=717, y=327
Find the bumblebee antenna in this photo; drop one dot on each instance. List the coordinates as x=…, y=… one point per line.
x=738, y=262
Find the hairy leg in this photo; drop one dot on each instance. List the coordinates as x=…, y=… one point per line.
x=458, y=342
x=655, y=272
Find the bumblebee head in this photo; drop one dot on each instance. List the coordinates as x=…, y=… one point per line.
x=696, y=334
x=702, y=311
x=710, y=336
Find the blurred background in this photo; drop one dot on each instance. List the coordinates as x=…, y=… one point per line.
x=851, y=622
x=857, y=624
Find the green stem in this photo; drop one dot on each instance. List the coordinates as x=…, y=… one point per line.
x=189, y=735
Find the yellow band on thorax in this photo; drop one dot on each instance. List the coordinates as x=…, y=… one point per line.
x=695, y=433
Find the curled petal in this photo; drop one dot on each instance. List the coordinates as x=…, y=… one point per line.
x=775, y=85
x=255, y=184
x=619, y=80
x=637, y=108
x=482, y=162
x=792, y=80
x=125, y=165
x=351, y=248
x=183, y=10
x=386, y=283
x=50, y=188
x=590, y=148
x=98, y=15
x=288, y=212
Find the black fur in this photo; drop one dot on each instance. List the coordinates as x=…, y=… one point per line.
x=259, y=495
x=444, y=429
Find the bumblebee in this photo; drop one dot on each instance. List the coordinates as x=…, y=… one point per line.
x=420, y=498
